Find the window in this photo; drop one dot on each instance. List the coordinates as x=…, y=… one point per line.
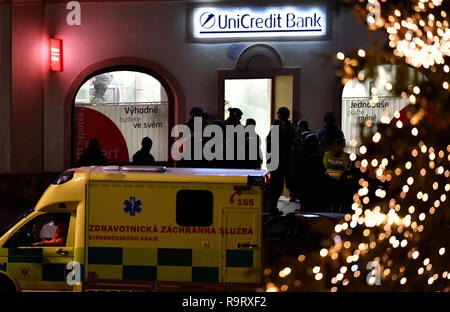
x=194, y=208
x=45, y=230
x=120, y=108
x=358, y=106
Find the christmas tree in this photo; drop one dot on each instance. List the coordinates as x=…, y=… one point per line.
x=397, y=236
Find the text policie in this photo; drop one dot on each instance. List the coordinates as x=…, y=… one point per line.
x=213, y=149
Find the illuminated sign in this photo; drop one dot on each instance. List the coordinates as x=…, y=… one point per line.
x=260, y=22
x=56, y=54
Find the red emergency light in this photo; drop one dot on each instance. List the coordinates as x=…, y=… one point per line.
x=55, y=55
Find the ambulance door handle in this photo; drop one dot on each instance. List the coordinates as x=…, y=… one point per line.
x=247, y=245
x=62, y=252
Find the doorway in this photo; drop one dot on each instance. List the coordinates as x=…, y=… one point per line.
x=259, y=94
x=254, y=98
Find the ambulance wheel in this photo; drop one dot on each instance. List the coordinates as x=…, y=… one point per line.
x=6, y=285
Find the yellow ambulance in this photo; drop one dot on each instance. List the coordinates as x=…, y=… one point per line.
x=140, y=228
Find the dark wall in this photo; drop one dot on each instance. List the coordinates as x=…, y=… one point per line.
x=22, y=191
x=27, y=88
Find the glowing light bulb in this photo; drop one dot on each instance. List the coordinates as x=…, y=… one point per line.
x=285, y=272
x=376, y=137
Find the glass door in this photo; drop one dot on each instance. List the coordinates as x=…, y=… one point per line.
x=254, y=98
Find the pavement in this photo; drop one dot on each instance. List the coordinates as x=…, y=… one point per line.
x=285, y=206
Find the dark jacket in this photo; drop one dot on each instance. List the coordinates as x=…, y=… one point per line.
x=328, y=134
x=92, y=157
x=143, y=158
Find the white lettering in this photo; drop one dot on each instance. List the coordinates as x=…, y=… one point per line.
x=193, y=302
x=259, y=22
x=74, y=276
x=74, y=16
x=373, y=278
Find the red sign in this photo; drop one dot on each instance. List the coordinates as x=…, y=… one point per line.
x=232, y=196
x=55, y=54
x=241, y=201
x=92, y=124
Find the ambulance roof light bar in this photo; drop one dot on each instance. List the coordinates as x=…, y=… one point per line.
x=135, y=168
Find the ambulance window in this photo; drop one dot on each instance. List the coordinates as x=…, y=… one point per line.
x=194, y=208
x=44, y=230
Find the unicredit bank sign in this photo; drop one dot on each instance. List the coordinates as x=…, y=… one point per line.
x=259, y=22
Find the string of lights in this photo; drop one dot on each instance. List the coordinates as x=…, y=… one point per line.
x=396, y=237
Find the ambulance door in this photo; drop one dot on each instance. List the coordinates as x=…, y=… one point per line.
x=241, y=245
x=37, y=260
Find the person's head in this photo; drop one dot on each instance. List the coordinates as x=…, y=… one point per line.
x=205, y=116
x=250, y=122
x=235, y=113
x=94, y=143
x=338, y=146
x=329, y=118
x=100, y=87
x=147, y=143
x=219, y=123
x=283, y=113
x=196, y=112
x=303, y=125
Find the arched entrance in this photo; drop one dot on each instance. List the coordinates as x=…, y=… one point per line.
x=141, y=99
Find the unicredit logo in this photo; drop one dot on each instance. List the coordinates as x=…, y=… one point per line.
x=241, y=22
x=207, y=20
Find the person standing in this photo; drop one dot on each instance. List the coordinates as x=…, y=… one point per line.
x=93, y=155
x=298, y=155
x=336, y=162
x=282, y=174
x=329, y=132
x=287, y=137
x=197, y=114
x=234, y=119
x=309, y=174
x=251, y=140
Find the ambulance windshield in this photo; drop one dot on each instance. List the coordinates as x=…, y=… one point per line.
x=10, y=223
